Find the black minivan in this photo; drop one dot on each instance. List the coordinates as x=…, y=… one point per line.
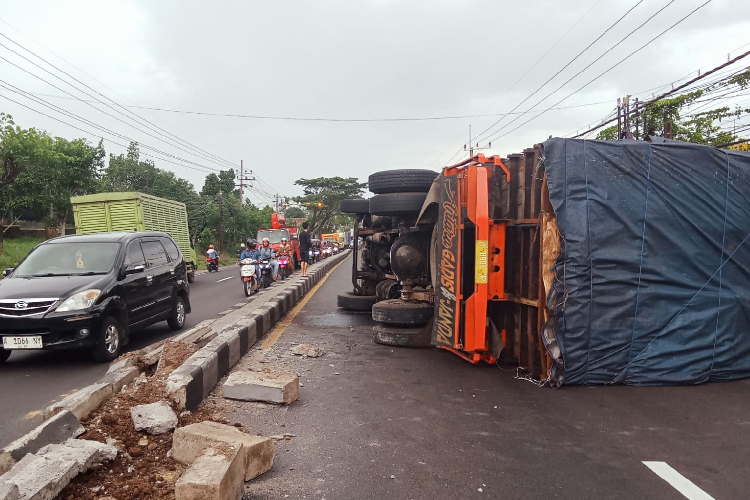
x=90, y=291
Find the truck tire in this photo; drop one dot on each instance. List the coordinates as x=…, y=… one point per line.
x=402, y=336
x=191, y=277
x=4, y=355
x=397, y=203
x=355, y=206
x=401, y=312
x=352, y=302
x=402, y=181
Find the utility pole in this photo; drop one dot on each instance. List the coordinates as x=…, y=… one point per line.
x=637, y=130
x=471, y=149
x=242, y=197
x=221, y=223
x=245, y=181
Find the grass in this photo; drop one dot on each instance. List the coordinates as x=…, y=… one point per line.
x=14, y=250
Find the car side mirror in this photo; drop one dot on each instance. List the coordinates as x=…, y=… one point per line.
x=8, y=271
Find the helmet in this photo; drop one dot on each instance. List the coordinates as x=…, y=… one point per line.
x=266, y=239
x=283, y=240
x=210, y=247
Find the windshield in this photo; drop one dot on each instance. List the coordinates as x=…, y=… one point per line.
x=274, y=236
x=69, y=259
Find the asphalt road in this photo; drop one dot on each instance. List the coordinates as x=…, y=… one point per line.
x=30, y=381
x=378, y=422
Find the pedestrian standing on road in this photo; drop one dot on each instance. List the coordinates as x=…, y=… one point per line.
x=304, y=247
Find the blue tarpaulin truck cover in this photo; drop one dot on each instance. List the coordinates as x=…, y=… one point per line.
x=653, y=278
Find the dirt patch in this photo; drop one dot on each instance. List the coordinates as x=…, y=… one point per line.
x=173, y=355
x=142, y=469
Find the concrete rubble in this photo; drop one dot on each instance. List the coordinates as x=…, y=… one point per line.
x=257, y=453
x=307, y=350
x=280, y=388
x=215, y=475
x=154, y=418
x=9, y=491
x=62, y=426
x=82, y=402
x=43, y=475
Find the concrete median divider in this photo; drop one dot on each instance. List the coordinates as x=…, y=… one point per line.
x=238, y=331
x=222, y=342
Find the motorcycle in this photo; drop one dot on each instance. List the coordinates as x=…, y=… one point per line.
x=316, y=255
x=266, y=273
x=247, y=272
x=212, y=265
x=284, y=266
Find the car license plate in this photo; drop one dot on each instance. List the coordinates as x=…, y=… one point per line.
x=30, y=342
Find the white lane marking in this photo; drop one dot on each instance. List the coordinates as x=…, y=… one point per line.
x=678, y=481
x=224, y=279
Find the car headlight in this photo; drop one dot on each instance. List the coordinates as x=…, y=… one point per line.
x=80, y=300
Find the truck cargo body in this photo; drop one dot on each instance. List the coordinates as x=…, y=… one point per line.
x=597, y=262
x=132, y=211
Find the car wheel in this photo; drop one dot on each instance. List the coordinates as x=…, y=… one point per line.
x=4, y=355
x=177, y=321
x=356, y=206
x=397, y=203
x=402, y=181
x=110, y=341
x=401, y=312
x=352, y=302
x=402, y=336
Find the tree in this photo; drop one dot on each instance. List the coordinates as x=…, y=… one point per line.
x=223, y=182
x=323, y=196
x=294, y=213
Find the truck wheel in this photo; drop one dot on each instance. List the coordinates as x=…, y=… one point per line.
x=4, y=355
x=191, y=277
x=110, y=341
x=397, y=203
x=401, y=312
x=402, y=181
x=355, y=206
x=401, y=336
x=352, y=302
x=177, y=321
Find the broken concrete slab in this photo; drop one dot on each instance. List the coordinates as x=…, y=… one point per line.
x=44, y=475
x=215, y=475
x=120, y=378
x=262, y=386
x=191, y=441
x=82, y=402
x=9, y=491
x=83, y=452
x=154, y=418
x=57, y=429
x=307, y=350
x=119, y=364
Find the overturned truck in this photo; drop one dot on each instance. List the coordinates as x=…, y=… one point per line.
x=584, y=262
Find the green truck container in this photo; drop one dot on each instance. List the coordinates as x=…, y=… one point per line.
x=104, y=212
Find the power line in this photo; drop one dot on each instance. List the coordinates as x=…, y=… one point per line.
x=74, y=116
x=95, y=135
x=77, y=68
x=591, y=63
x=141, y=119
x=203, y=157
x=665, y=94
x=481, y=134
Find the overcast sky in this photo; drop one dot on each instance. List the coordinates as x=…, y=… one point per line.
x=348, y=60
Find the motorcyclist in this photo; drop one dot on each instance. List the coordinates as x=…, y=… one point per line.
x=213, y=255
x=295, y=251
x=286, y=249
x=251, y=252
x=266, y=252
